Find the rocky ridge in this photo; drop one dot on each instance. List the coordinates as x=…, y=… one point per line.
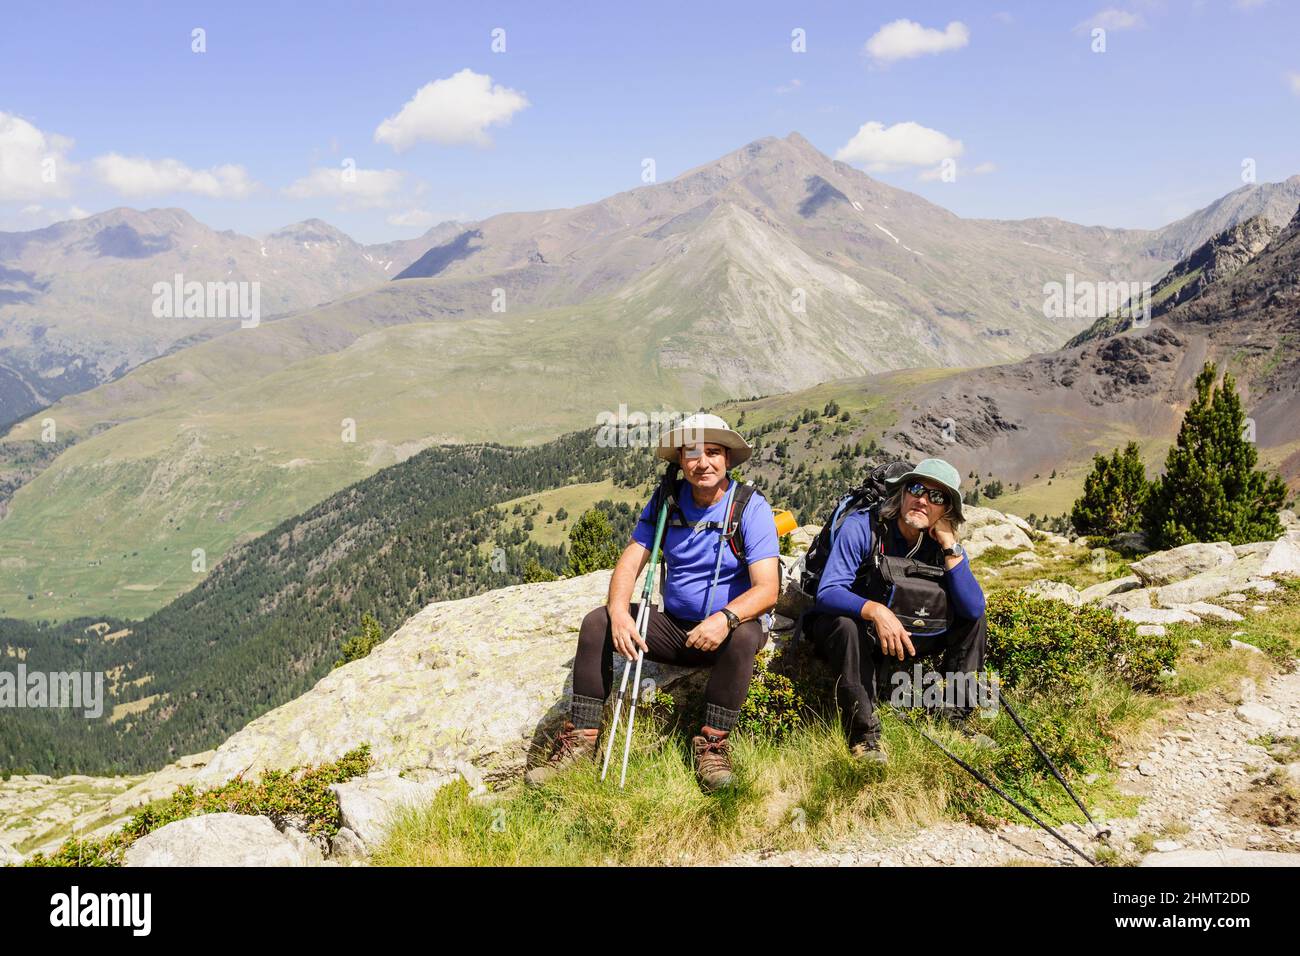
x=466, y=689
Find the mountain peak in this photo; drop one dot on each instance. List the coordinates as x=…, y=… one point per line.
x=312, y=230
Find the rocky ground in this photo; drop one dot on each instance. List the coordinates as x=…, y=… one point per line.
x=1209, y=789
x=465, y=689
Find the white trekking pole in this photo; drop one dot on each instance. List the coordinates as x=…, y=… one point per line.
x=642, y=626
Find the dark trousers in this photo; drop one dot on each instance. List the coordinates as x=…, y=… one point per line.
x=732, y=661
x=850, y=647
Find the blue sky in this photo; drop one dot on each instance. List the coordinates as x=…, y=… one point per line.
x=252, y=133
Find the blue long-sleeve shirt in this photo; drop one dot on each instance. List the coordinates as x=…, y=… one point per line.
x=842, y=588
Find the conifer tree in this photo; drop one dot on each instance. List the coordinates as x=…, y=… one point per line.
x=1114, y=494
x=591, y=544
x=1210, y=490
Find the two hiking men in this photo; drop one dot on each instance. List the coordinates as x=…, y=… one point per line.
x=722, y=576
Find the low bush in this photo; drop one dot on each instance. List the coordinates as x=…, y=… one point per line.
x=299, y=796
x=1039, y=645
x=773, y=707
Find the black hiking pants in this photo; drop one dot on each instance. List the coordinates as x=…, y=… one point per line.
x=732, y=663
x=850, y=647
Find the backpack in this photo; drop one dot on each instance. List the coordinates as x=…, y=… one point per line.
x=911, y=587
x=878, y=486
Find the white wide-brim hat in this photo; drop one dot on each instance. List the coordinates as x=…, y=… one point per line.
x=700, y=429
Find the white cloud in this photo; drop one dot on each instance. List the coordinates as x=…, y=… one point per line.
x=1111, y=19
x=930, y=175
x=411, y=219
x=791, y=87
x=1294, y=80
x=904, y=39
x=881, y=149
x=455, y=110
x=36, y=216
x=137, y=176
x=357, y=187
x=1004, y=16
x=33, y=163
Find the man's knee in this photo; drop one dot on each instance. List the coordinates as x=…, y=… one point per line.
x=748, y=639
x=595, y=628
x=970, y=634
x=839, y=634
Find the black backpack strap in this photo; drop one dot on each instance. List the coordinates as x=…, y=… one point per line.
x=878, y=531
x=732, y=532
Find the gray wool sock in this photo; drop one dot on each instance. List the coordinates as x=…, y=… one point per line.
x=720, y=718
x=586, y=712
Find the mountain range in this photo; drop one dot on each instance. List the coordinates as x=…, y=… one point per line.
x=76, y=297
x=769, y=270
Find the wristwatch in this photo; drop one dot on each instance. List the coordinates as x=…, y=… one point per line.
x=733, y=621
x=956, y=551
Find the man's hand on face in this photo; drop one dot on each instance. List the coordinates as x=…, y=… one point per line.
x=623, y=630
x=895, y=640
x=942, y=532
x=709, y=633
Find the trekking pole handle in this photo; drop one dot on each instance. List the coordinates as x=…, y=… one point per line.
x=648, y=589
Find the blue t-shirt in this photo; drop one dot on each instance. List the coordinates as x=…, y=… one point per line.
x=690, y=556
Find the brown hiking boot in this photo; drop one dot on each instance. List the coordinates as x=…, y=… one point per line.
x=864, y=742
x=867, y=749
x=570, y=746
x=712, y=759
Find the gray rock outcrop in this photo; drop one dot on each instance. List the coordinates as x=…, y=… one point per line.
x=216, y=839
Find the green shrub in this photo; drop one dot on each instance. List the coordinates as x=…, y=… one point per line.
x=1040, y=645
x=534, y=573
x=355, y=648
x=299, y=796
x=592, y=545
x=772, y=708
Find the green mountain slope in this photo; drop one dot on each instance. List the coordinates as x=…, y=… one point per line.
x=770, y=269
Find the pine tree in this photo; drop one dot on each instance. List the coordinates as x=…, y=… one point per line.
x=534, y=572
x=1210, y=490
x=591, y=544
x=1114, y=494
x=355, y=648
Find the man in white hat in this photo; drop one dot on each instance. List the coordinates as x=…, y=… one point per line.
x=897, y=584
x=721, y=554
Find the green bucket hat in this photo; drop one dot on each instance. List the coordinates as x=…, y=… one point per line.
x=940, y=472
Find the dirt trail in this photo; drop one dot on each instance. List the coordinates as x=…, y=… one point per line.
x=1197, y=782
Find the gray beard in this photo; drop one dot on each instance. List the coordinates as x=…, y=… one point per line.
x=916, y=523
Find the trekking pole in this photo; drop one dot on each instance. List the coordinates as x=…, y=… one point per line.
x=996, y=789
x=1100, y=833
x=642, y=625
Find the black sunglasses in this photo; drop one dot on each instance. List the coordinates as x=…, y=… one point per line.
x=936, y=495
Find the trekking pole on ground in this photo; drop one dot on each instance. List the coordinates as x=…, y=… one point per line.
x=642, y=625
x=996, y=789
x=1099, y=833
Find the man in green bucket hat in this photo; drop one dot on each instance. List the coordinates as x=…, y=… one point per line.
x=897, y=584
